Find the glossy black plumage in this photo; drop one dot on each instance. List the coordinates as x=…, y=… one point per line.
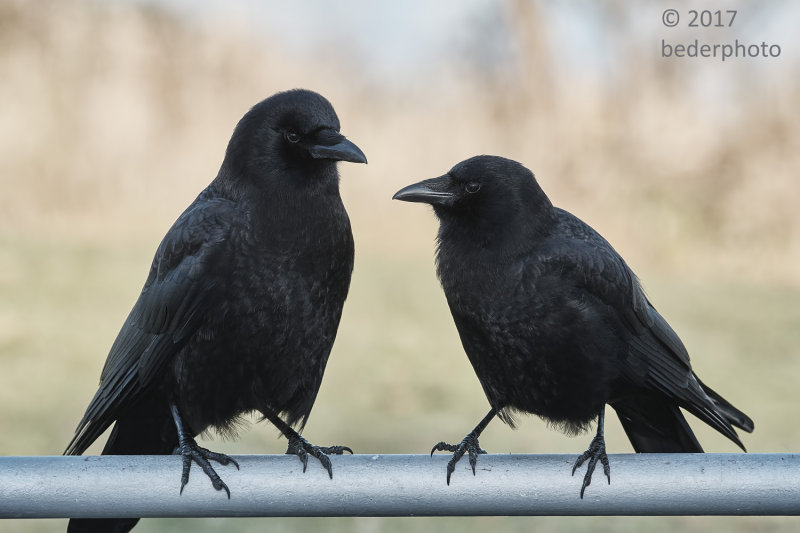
x=243, y=300
x=554, y=321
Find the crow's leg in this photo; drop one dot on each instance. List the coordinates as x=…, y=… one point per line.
x=302, y=448
x=596, y=452
x=469, y=445
x=188, y=448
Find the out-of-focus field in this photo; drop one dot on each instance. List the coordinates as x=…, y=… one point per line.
x=114, y=116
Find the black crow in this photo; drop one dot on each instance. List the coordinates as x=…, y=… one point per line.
x=242, y=303
x=553, y=320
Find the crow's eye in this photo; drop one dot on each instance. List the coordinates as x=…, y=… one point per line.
x=472, y=187
x=292, y=136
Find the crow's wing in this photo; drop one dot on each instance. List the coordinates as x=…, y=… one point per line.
x=656, y=358
x=582, y=257
x=184, y=279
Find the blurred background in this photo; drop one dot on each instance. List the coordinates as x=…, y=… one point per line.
x=115, y=114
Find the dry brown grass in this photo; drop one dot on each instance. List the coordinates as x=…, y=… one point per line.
x=116, y=113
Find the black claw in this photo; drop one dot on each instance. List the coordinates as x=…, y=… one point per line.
x=469, y=445
x=221, y=458
x=190, y=451
x=326, y=463
x=301, y=453
x=473, y=461
x=596, y=452
x=335, y=450
x=451, y=466
x=443, y=447
x=302, y=448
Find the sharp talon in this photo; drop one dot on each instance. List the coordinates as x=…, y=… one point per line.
x=302, y=448
x=326, y=463
x=579, y=461
x=190, y=451
x=443, y=447
x=595, y=453
x=304, y=460
x=335, y=450
x=469, y=445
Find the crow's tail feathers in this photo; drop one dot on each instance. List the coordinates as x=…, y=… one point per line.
x=655, y=426
x=146, y=435
x=101, y=525
x=729, y=412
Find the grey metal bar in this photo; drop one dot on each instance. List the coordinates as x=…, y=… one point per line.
x=401, y=485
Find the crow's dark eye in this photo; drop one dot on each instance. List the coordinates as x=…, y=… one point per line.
x=292, y=136
x=472, y=187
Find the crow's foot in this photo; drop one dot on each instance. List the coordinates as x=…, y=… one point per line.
x=190, y=451
x=302, y=448
x=596, y=452
x=468, y=445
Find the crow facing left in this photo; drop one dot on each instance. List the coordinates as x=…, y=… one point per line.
x=553, y=320
x=242, y=303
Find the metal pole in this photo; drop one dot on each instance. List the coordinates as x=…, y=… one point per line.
x=401, y=485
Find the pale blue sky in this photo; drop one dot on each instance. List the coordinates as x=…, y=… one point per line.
x=394, y=40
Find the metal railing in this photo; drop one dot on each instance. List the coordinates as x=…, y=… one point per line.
x=401, y=485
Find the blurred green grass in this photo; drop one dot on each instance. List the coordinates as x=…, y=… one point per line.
x=397, y=381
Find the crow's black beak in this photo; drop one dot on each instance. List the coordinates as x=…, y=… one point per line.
x=330, y=144
x=433, y=191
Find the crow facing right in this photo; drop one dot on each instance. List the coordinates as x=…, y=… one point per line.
x=242, y=303
x=553, y=320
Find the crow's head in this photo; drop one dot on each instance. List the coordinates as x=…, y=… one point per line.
x=291, y=135
x=487, y=195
